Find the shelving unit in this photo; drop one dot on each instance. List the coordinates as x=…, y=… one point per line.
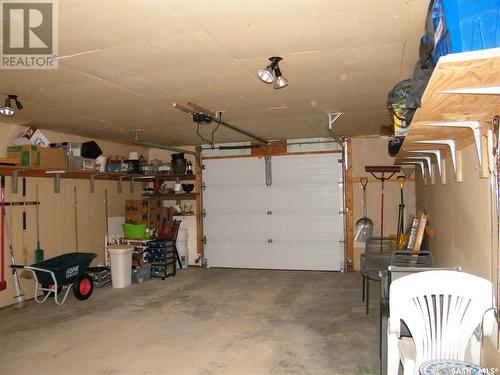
x=171, y=196
x=15, y=171
x=457, y=107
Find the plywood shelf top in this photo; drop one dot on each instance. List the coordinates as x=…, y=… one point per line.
x=113, y=176
x=445, y=100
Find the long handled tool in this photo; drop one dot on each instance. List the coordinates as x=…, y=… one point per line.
x=3, y=282
x=364, y=226
x=38, y=250
x=19, y=297
x=25, y=247
x=75, y=204
x=401, y=214
x=382, y=177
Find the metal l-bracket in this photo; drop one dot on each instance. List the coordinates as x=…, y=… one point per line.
x=420, y=163
x=13, y=181
x=435, y=152
x=120, y=179
x=92, y=180
x=473, y=125
x=57, y=179
x=426, y=158
x=448, y=142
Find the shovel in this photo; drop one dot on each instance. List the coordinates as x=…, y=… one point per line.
x=364, y=226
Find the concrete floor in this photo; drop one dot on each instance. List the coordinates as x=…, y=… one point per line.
x=203, y=321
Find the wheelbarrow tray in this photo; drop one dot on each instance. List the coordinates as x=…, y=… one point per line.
x=66, y=267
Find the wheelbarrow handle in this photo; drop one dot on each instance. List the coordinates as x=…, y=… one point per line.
x=16, y=266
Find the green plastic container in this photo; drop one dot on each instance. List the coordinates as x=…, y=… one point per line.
x=134, y=231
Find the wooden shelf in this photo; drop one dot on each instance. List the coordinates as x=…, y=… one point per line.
x=171, y=196
x=173, y=177
x=447, y=99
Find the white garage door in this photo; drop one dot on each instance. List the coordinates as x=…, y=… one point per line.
x=293, y=224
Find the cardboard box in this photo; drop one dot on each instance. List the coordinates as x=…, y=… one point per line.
x=38, y=157
x=32, y=136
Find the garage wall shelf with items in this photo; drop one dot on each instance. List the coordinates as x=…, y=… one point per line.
x=458, y=107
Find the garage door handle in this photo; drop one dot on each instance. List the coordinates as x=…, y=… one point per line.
x=269, y=212
x=270, y=240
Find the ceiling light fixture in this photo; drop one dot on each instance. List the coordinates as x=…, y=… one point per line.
x=280, y=81
x=7, y=109
x=267, y=75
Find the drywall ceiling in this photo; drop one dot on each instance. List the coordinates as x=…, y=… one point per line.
x=123, y=64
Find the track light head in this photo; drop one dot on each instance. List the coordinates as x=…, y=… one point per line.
x=7, y=109
x=280, y=81
x=267, y=74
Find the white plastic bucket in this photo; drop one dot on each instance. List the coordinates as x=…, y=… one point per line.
x=121, y=266
x=182, y=246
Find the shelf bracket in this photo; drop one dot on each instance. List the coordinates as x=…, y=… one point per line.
x=57, y=180
x=428, y=160
x=448, y=142
x=13, y=181
x=132, y=180
x=120, y=179
x=92, y=180
x=435, y=152
x=473, y=125
x=419, y=163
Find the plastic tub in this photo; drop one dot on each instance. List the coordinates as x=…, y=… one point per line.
x=182, y=247
x=134, y=231
x=465, y=25
x=121, y=265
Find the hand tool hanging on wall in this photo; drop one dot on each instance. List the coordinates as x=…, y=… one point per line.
x=3, y=282
x=382, y=178
x=19, y=297
x=25, y=247
x=75, y=205
x=401, y=214
x=106, y=211
x=364, y=226
x=38, y=250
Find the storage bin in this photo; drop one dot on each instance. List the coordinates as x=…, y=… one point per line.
x=141, y=274
x=101, y=276
x=121, y=265
x=465, y=25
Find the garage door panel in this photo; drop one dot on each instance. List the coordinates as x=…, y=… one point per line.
x=315, y=226
x=305, y=198
x=227, y=226
x=306, y=168
x=224, y=172
x=237, y=254
x=305, y=230
x=236, y=198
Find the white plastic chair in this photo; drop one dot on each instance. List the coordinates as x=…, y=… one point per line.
x=441, y=309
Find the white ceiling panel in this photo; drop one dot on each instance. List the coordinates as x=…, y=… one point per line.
x=123, y=64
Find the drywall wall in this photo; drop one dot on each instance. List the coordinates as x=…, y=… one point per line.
x=373, y=151
x=459, y=214
x=57, y=223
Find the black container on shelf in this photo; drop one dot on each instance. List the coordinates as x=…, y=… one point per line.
x=134, y=166
x=179, y=166
x=178, y=156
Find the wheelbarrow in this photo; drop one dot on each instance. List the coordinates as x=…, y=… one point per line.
x=58, y=275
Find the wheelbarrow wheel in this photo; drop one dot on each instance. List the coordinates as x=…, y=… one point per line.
x=83, y=287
